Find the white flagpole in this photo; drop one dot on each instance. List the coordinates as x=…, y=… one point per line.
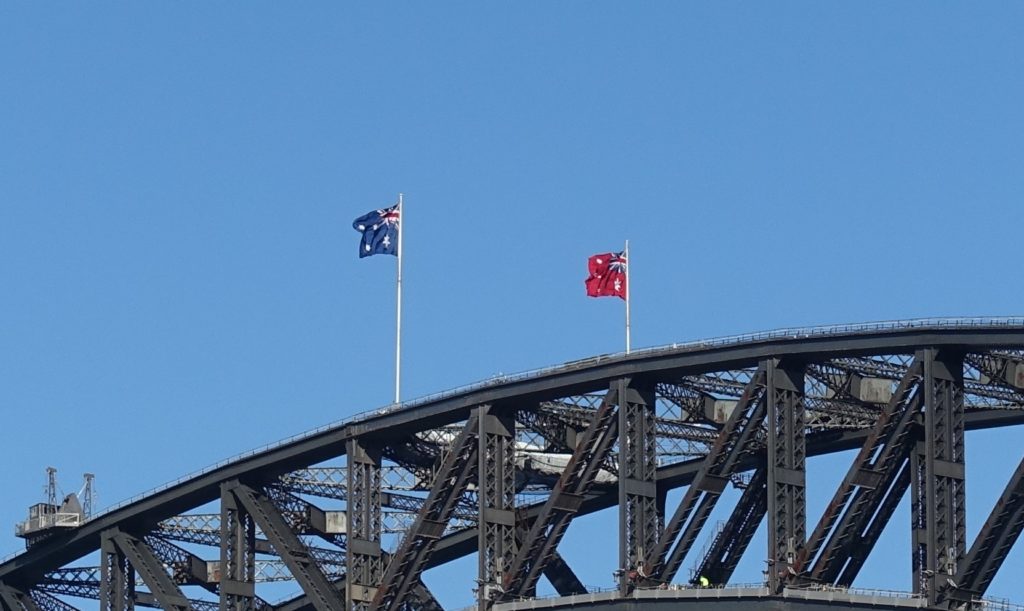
x=398, y=308
x=628, y=282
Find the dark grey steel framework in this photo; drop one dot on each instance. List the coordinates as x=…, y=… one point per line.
x=355, y=513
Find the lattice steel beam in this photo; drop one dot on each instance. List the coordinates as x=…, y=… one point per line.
x=733, y=441
x=787, y=454
x=942, y=482
x=91, y=590
x=237, y=552
x=560, y=422
x=690, y=401
x=117, y=579
x=47, y=602
x=290, y=548
x=185, y=567
x=640, y=522
x=332, y=482
x=408, y=562
x=365, y=561
x=496, y=485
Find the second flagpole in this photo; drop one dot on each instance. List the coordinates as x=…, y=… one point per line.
x=398, y=308
x=628, y=282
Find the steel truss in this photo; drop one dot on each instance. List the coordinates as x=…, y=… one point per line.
x=839, y=534
x=408, y=562
x=640, y=518
x=546, y=531
x=365, y=560
x=506, y=468
x=937, y=481
x=731, y=541
x=787, y=452
x=497, y=495
x=735, y=439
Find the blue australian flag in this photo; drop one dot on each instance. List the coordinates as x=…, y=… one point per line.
x=380, y=232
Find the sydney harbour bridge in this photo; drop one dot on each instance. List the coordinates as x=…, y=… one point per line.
x=353, y=514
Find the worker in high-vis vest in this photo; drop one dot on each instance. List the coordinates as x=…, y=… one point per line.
x=705, y=582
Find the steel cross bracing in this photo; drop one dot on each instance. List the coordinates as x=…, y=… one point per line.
x=804, y=402
x=731, y=541
x=1006, y=521
x=408, y=562
x=689, y=517
x=42, y=601
x=188, y=531
x=541, y=540
x=292, y=551
x=81, y=586
x=1000, y=531
x=837, y=536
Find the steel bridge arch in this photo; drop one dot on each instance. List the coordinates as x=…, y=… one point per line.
x=932, y=374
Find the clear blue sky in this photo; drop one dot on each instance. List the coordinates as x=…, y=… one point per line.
x=177, y=182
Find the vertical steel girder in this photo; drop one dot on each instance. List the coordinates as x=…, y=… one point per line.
x=117, y=579
x=450, y=483
x=142, y=559
x=237, y=553
x=496, y=535
x=290, y=548
x=942, y=511
x=365, y=563
x=997, y=536
x=640, y=522
x=728, y=546
x=733, y=441
x=541, y=541
x=787, y=454
x=872, y=472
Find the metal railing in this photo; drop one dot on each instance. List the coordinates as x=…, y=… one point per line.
x=792, y=333
x=48, y=520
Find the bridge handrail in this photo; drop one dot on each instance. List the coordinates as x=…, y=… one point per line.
x=694, y=345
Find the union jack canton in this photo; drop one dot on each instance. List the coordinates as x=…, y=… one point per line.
x=379, y=229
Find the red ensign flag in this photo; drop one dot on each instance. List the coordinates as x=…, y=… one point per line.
x=608, y=275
